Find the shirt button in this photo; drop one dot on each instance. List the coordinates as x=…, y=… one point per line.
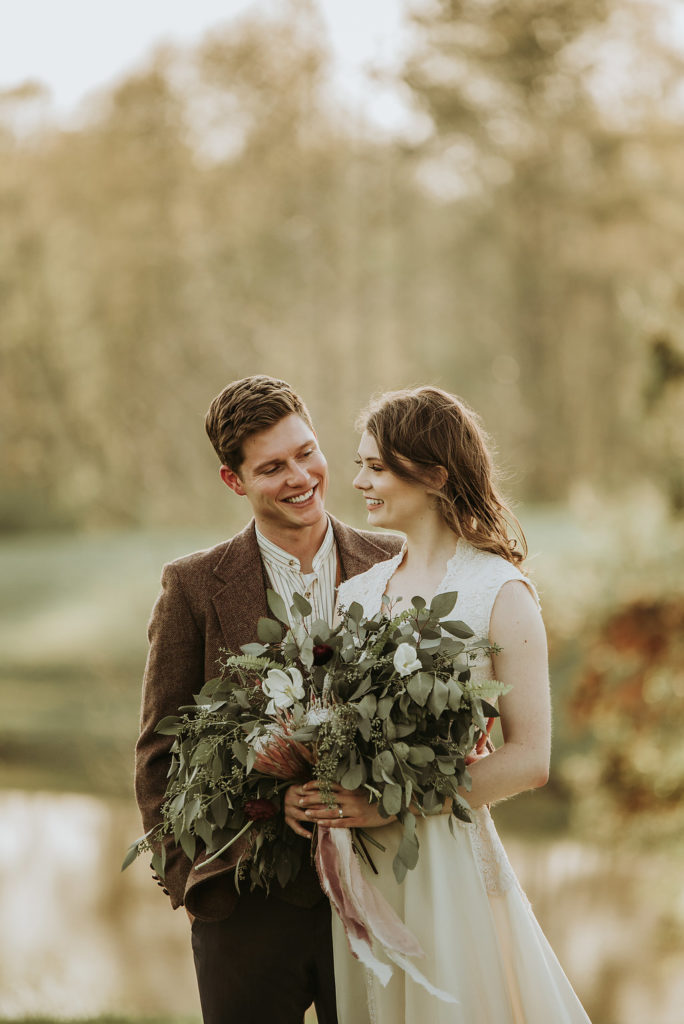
x=292, y=561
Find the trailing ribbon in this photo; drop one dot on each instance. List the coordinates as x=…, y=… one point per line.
x=365, y=913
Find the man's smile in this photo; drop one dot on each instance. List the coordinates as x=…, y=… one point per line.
x=299, y=499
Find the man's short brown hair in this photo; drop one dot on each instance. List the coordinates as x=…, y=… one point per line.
x=245, y=407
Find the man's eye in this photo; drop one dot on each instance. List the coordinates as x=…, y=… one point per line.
x=271, y=471
x=306, y=454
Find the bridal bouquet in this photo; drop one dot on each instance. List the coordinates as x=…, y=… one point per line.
x=384, y=703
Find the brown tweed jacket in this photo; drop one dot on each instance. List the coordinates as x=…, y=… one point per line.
x=210, y=600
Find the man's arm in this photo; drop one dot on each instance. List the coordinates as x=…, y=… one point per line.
x=173, y=673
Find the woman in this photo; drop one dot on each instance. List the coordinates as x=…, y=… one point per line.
x=424, y=469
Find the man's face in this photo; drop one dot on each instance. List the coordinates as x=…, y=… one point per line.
x=283, y=475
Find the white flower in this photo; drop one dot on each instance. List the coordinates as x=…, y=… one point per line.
x=317, y=715
x=406, y=660
x=283, y=687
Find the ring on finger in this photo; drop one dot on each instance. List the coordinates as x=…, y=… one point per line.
x=340, y=812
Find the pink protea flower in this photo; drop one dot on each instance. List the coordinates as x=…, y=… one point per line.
x=282, y=757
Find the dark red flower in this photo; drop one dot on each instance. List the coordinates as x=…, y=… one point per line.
x=322, y=653
x=260, y=810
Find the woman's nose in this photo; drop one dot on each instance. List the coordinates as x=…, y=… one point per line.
x=359, y=480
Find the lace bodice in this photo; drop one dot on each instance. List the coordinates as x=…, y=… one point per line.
x=476, y=575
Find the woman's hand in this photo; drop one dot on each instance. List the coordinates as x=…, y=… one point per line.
x=293, y=810
x=352, y=808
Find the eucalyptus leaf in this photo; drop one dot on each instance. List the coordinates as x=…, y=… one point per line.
x=442, y=604
x=408, y=852
x=399, y=869
x=391, y=798
x=302, y=605
x=277, y=606
x=306, y=652
x=437, y=701
x=168, y=726
x=457, y=628
x=132, y=853
x=367, y=705
x=419, y=687
x=255, y=650
x=421, y=755
x=353, y=778
x=269, y=631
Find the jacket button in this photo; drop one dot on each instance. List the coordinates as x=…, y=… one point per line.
x=165, y=891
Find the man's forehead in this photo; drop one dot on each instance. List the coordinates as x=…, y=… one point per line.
x=278, y=441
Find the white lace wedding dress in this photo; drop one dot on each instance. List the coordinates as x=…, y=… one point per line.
x=462, y=901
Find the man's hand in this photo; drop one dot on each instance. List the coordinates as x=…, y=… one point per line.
x=352, y=808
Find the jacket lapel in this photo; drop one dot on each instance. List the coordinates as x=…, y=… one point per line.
x=356, y=551
x=241, y=599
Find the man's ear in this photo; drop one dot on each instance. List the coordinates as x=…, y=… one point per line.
x=232, y=480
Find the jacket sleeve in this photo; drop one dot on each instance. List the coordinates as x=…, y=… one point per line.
x=173, y=673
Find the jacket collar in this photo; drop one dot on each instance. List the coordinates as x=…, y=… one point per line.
x=241, y=601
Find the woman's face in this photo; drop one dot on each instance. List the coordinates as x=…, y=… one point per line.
x=392, y=502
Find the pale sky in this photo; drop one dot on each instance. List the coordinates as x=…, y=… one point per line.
x=75, y=46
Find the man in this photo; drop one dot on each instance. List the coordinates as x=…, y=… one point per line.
x=259, y=959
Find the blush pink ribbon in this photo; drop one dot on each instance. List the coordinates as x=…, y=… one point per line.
x=366, y=915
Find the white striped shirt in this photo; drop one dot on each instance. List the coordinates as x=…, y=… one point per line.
x=285, y=575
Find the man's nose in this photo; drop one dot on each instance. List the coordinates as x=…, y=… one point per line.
x=296, y=474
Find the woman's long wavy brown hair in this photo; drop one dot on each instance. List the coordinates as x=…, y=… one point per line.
x=417, y=430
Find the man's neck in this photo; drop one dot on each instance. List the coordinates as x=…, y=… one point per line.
x=301, y=542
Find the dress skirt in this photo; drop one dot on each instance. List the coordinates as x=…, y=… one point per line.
x=482, y=942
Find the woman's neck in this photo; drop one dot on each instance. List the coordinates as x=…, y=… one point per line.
x=430, y=543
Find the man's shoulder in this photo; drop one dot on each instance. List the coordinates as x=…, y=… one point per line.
x=359, y=549
x=207, y=561
x=390, y=543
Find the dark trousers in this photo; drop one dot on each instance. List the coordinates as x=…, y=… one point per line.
x=266, y=963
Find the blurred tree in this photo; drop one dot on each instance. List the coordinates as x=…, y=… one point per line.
x=630, y=696
x=217, y=215
x=532, y=136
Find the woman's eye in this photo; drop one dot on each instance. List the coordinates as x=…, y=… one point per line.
x=377, y=469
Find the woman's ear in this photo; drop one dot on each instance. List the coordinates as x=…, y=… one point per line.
x=438, y=477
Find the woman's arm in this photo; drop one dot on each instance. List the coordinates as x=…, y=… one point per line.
x=522, y=762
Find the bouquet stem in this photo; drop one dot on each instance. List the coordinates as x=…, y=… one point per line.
x=198, y=867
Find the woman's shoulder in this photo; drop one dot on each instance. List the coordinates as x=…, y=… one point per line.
x=487, y=569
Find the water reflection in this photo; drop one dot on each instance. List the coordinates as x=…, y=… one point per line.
x=80, y=938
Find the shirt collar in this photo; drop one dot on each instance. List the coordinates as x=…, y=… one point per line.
x=273, y=553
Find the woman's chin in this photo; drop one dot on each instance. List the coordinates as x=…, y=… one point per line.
x=378, y=517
